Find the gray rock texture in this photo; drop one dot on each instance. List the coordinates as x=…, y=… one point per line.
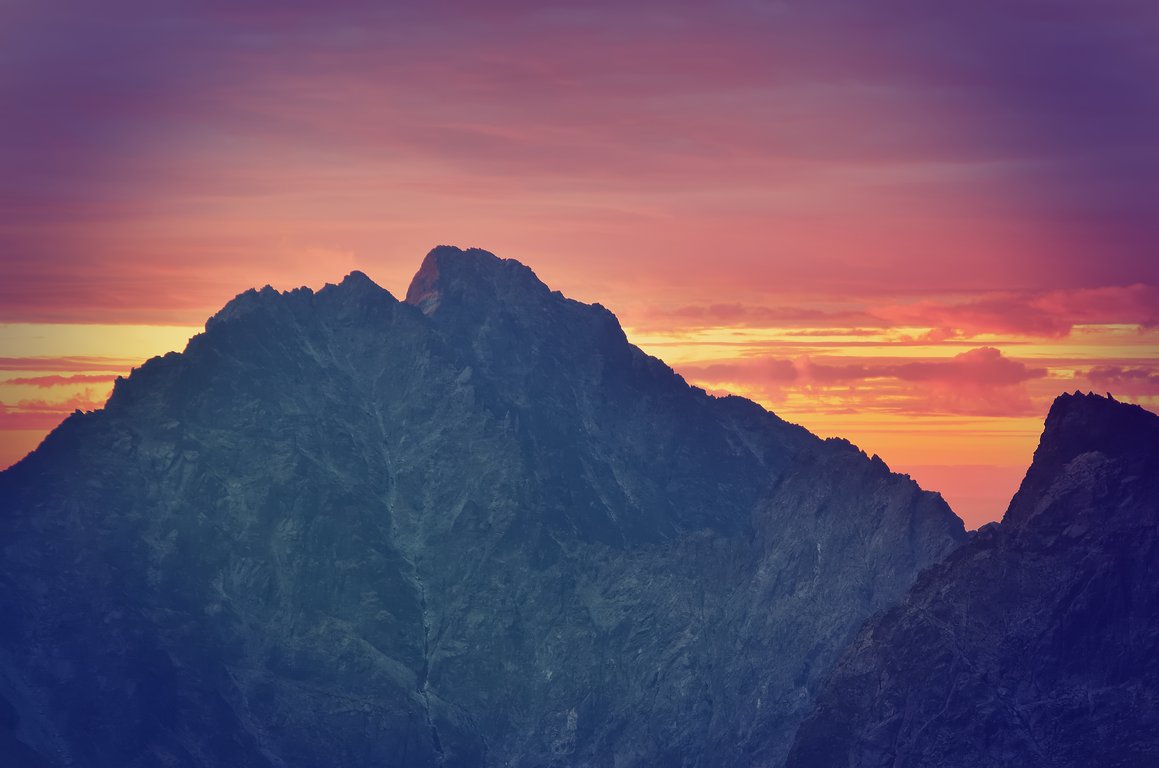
x=1037, y=643
x=477, y=527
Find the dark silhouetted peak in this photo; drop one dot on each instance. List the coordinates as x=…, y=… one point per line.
x=243, y=304
x=1077, y=426
x=518, y=326
x=450, y=275
x=355, y=287
x=354, y=294
x=357, y=281
x=1079, y=423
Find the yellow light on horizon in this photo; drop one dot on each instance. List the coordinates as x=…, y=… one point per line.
x=135, y=342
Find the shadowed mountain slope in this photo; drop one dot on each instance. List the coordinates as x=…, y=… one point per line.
x=1037, y=643
x=477, y=527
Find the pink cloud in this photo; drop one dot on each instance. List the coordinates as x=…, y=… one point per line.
x=11, y=419
x=1124, y=380
x=1001, y=314
x=739, y=315
x=744, y=371
x=979, y=381
x=44, y=414
x=984, y=366
x=1136, y=304
x=1051, y=314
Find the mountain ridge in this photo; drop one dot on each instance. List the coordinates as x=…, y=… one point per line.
x=343, y=529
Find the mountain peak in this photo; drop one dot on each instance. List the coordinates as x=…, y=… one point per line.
x=242, y=304
x=359, y=279
x=356, y=286
x=356, y=289
x=451, y=272
x=1070, y=406
x=1081, y=425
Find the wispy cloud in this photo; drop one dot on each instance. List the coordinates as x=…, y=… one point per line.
x=1050, y=314
x=67, y=363
x=1026, y=314
x=981, y=381
x=58, y=380
x=1124, y=380
x=44, y=414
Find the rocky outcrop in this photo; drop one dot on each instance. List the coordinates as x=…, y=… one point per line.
x=1037, y=643
x=474, y=528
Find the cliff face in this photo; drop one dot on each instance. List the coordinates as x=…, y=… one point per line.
x=1035, y=644
x=474, y=528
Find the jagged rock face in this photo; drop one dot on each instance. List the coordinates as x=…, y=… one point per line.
x=474, y=528
x=1035, y=644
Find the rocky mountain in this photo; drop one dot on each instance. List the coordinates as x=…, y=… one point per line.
x=476, y=527
x=1035, y=644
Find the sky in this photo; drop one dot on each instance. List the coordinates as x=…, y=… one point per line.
x=910, y=224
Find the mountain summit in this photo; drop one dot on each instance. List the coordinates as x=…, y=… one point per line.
x=477, y=527
x=467, y=278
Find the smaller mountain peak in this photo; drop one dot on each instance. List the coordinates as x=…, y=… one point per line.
x=1080, y=424
x=451, y=273
x=1093, y=419
x=358, y=284
x=358, y=277
x=355, y=289
x=243, y=304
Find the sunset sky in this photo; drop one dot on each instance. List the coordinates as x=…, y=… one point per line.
x=911, y=224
